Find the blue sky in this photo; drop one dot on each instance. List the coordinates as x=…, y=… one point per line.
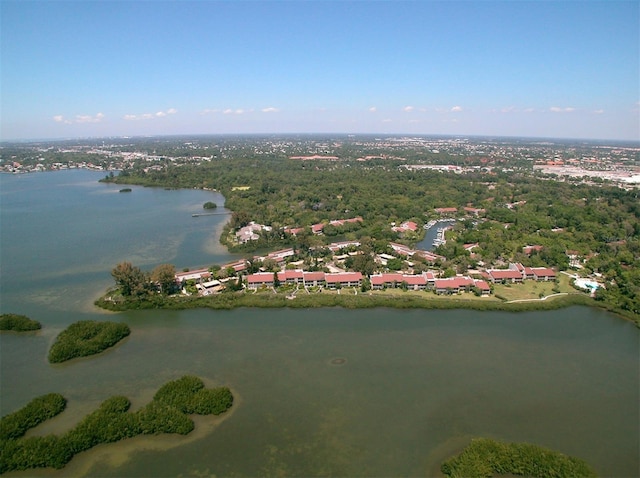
x=565, y=69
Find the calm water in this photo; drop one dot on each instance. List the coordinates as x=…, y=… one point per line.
x=412, y=388
x=427, y=243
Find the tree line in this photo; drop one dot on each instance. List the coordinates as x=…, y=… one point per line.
x=601, y=223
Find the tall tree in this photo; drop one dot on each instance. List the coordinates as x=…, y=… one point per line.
x=130, y=279
x=165, y=276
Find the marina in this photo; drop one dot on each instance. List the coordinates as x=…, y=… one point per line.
x=435, y=233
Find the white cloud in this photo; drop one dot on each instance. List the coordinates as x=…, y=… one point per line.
x=408, y=109
x=79, y=119
x=61, y=119
x=599, y=112
x=148, y=116
x=387, y=120
x=508, y=109
x=373, y=109
x=270, y=109
x=230, y=111
x=456, y=109
x=557, y=109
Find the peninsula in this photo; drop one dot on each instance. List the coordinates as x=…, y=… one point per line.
x=355, y=219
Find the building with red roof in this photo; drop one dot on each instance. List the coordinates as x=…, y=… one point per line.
x=543, y=273
x=504, y=275
x=392, y=280
x=343, y=279
x=313, y=279
x=292, y=276
x=446, y=210
x=453, y=285
x=260, y=279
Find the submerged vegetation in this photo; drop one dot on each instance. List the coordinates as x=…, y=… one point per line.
x=18, y=323
x=166, y=413
x=486, y=458
x=86, y=337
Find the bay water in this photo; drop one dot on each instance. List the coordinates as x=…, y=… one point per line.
x=339, y=392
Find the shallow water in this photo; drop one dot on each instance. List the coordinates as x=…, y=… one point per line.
x=409, y=386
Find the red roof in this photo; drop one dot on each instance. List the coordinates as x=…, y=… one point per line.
x=290, y=274
x=543, y=272
x=429, y=256
x=313, y=276
x=343, y=277
x=415, y=279
x=504, y=274
x=380, y=279
x=260, y=277
x=453, y=283
x=482, y=285
x=529, y=249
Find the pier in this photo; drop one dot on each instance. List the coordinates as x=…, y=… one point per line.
x=210, y=214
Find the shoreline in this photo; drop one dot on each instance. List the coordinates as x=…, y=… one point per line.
x=359, y=301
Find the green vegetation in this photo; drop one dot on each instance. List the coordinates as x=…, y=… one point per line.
x=530, y=290
x=131, y=281
x=18, y=323
x=38, y=410
x=111, y=422
x=209, y=205
x=602, y=224
x=487, y=458
x=346, y=298
x=86, y=337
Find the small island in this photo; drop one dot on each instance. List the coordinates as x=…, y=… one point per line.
x=166, y=413
x=485, y=458
x=18, y=323
x=125, y=190
x=86, y=337
x=209, y=205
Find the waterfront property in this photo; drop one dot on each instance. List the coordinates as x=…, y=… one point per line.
x=456, y=285
x=306, y=279
x=393, y=280
x=516, y=273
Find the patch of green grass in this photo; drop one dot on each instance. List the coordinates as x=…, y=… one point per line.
x=486, y=458
x=166, y=413
x=86, y=337
x=18, y=323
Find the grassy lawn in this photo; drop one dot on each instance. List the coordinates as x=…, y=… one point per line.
x=526, y=291
x=531, y=289
x=399, y=294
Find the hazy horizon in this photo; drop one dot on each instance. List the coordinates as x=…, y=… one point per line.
x=553, y=69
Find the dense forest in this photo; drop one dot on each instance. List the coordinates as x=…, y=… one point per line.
x=600, y=224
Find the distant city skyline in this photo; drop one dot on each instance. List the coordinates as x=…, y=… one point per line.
x=557, y=69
